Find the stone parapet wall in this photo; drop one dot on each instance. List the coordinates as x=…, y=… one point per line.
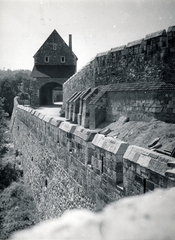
x=69, y=166
x=145, y=170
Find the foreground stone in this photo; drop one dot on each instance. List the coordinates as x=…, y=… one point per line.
x=147, y=217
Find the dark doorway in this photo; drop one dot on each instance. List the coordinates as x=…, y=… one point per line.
x=46, y=93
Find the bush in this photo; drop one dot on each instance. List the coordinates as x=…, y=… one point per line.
x=8, y=174
x=18, y=210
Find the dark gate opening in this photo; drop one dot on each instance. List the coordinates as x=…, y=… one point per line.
x=47, y=93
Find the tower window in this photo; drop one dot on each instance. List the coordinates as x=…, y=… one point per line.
x=63, y=59
x=46, y=59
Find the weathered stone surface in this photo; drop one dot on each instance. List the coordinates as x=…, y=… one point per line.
x=170, y=173
x=146, y=217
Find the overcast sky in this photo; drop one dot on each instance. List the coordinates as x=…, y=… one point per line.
x=95, y=25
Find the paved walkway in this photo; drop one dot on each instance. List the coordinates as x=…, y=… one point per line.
x=52, y=110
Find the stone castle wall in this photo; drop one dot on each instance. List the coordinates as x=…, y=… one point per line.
x=151, y=59
x=69, y=166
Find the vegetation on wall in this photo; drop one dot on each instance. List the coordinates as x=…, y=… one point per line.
x=18, y=209
x=3, y=116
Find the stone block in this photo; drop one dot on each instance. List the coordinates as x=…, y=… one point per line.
x=143, y=160
x=138, y=169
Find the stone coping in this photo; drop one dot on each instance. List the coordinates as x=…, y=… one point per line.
x=110, y=144
x=84, y=133
x=67, y=127
x=149, y=159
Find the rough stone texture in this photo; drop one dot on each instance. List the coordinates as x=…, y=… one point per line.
x=150, y=60
x=147, y=217
x=68, y=166
x=145, y=170
x=80, y=81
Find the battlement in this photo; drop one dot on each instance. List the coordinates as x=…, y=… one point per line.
x=150, y=59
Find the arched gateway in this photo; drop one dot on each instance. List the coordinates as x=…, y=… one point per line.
x=47, y=96
x=54, y=63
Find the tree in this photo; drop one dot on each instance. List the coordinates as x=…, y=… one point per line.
x=3, y=124
x=11, y=84
x=23, y=96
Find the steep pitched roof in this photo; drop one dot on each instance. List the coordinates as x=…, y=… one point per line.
x=55, y=38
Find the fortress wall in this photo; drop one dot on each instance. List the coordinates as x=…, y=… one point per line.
x=80, y=81
x=69, y=166
x=149, y=60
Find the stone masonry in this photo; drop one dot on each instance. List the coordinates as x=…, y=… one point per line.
x=69, y=166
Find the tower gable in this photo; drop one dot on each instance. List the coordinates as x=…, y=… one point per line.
x=55, y=51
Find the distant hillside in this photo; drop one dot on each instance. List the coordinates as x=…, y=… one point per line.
x=10, y=73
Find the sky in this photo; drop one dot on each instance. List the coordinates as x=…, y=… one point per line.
x=96, y=26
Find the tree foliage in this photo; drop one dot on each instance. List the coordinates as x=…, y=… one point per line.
x=8, y=174
x=3, y=125
x=18, y=210
x=13, y=83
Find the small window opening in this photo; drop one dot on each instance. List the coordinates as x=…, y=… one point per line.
x=62, y=59
x=70, y=150
x=32, y=159
x=144, y=185
x=46, y=183
x=18, y=128
x=102, y=163
x=46, y=59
